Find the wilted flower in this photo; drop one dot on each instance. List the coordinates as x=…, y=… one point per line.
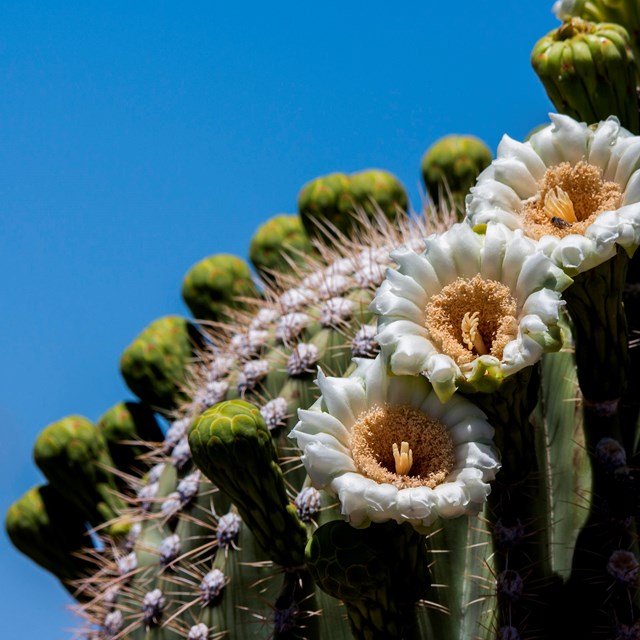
x=470, y=309
x=391, y=450
x=573, y=187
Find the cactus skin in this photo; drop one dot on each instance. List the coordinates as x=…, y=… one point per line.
x=451, y=165
x=153, y=365
x=216, y=285
x=589, y=72
x=278, y=243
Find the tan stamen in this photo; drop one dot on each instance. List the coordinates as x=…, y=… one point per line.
x=470, y=334
x=376, y=454
x=569, y=199
x=403, y=458
x=463, y=335
x=557, y=204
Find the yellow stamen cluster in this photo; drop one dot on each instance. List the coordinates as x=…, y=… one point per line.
x=569, y=199
x=469, y=318
x=374, y=446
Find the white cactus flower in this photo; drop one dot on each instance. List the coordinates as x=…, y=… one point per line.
x=469, y=310
x=389, y=449
x=574, y=188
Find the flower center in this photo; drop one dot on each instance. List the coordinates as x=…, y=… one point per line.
x=470, y=318
x=424, y=458
x=569, y=200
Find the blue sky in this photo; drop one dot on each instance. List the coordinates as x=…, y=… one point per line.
x=138, y=138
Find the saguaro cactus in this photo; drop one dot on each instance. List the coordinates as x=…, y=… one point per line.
x=427, y=429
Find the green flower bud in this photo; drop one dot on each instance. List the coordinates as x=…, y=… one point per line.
x=124, y=424
x=374, y=191
x=622, y=12
x=153, y=365
x=278, y=242
x=50, y=530
x=217, y=284
x=73, y=456
x=451, y=166
x=319, y=205
x=589, y=72
x=232, y=446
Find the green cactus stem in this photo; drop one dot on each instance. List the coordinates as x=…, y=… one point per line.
x=594, y=302
x=526, y=585
x=589, y=72
x=217, y=285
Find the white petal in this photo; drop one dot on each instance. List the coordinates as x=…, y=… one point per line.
x=388, y=303
x=408, y=354
x=602, y=143
x=442, y=372
x=477, y=455
x=515, y=173
x=406, y=287
x=323, y=464
x=628, y=163
x=440, y=256
x=497, y=237
x=315, y=422
x=510, y=148
x=545, y=303
x=455, y=410
x=490, y=195
x=415, y=266
x=537, y=271
x=303, y=439
x=470, y=430
x=632, y=192
x=452, y=499
x=513, y=259
x=343, y=397
x=465, y=247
